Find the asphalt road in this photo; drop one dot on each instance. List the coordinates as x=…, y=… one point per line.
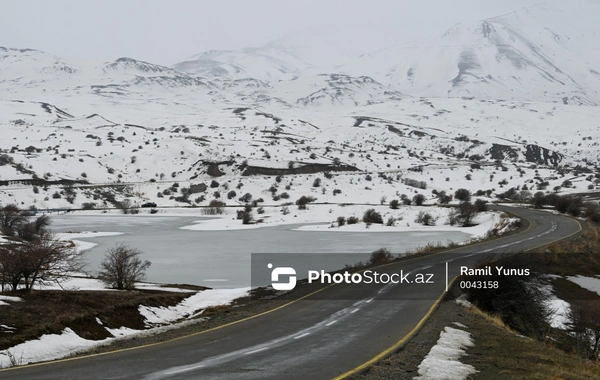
x=320, y=337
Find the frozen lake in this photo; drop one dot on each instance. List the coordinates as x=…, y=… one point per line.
x=221, y=259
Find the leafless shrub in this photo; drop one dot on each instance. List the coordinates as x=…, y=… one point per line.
x=352, y=220
x=303, y=201
x=122, y=267
x=372, y=216
x=380, y=256
x=125, y=206
x=215, y=207
x=425, y=219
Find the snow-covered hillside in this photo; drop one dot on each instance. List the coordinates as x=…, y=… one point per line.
x=105, y=131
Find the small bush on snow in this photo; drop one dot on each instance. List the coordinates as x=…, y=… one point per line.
x=372, y=216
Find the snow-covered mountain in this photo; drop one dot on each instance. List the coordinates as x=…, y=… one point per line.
x=510, y=101
x=31, y=73
x=546, y=52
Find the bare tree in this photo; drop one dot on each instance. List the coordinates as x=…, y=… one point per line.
x=122, y=267
x=10, y=218
x=35, y=230
x=467, y=211
x=425, y=219
x=215, y=207
x=125, y=206
x=42, y=260
x=10, y=275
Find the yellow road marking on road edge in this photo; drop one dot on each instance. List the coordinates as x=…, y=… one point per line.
x=408, y=336
x=398, y=344
x=163, y=342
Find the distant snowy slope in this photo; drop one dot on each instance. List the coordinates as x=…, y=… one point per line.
x=547, y=52
x=32, y=68
x=291, y=54
x=262, y=63
x=321, y=90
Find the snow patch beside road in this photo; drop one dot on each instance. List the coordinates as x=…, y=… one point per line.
x=47, y=347
x=56, y=346
x=442, y=360
x=186, y=308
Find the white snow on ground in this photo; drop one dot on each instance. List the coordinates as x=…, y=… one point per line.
x=75, y=283
x=187, y=307
x=54, y=346
x=559, y=316
x=151, y=286
x=442, y=360
x=48, y=347
x=10, y=299
x=486, y=221
x=405, y=220
x=122, y=331
x=84, y=245
x=560, y=308
x=590, y=283
x=462, y=301
x=87, y=283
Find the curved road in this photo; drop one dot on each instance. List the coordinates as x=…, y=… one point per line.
x=323, y=336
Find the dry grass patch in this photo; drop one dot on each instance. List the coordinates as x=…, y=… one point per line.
x=50, y=312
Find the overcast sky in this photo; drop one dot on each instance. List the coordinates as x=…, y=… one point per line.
x=165, y=32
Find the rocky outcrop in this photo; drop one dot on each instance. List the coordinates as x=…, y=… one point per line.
x=503, y=152
x=542, y=156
